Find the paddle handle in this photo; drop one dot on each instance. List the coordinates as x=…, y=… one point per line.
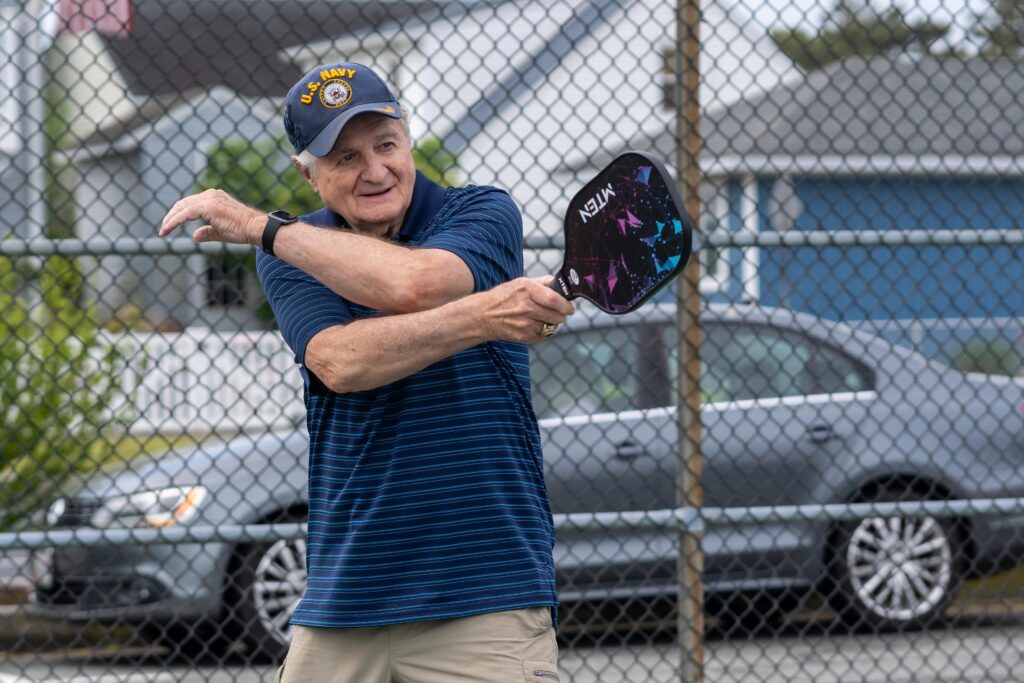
x=560, y=285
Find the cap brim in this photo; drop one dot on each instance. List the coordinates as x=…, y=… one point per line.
x=323, y=143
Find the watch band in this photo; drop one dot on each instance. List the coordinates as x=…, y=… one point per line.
x=274, y=222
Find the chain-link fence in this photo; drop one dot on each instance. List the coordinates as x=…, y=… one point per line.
x=820, y=479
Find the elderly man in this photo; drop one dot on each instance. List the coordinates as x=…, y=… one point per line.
x=430, y=535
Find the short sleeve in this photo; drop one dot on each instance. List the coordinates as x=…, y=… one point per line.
x=486, y=231
x=302, y=305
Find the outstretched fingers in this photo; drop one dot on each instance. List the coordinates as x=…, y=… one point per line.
x=184, y=210
x=226, y=218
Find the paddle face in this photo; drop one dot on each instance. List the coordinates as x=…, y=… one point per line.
x=626, y=235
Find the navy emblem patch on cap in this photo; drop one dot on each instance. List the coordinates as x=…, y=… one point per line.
x=335, y=93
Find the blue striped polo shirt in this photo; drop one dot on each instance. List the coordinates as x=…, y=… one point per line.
x=426, y=496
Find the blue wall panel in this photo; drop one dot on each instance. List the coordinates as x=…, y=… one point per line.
x=903, y=282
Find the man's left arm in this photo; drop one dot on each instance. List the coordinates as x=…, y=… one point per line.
x=375, y=272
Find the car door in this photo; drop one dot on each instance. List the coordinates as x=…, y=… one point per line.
x=776, y=409
x=600, y=395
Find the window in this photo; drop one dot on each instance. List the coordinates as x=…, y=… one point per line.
x=714, y=262
x=747, y=361
x=227, y=280
x=742, y=361
x=836, y=372
x=598, y=371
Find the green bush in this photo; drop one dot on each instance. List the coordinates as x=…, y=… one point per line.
x=258, y=173
x=990, y=356
x=59, y=379
x=436, y=162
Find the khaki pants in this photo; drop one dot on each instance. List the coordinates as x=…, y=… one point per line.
x=501, y=647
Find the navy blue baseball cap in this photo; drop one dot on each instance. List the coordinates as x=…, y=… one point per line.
x=327, y=98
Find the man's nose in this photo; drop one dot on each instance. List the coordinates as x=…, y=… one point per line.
x=374, y=170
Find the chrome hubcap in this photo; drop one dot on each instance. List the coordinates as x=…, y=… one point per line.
x=900, y=568
x=279, y=584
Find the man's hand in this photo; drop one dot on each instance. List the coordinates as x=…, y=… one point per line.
x=518, y=310
x=227, y=219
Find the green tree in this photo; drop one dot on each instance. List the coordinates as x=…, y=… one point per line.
x=856, y=27
x=1002, y=30
x=436, y=162
x=59, y=378
x=258, y=174
x=60, y=175
x=989, y=356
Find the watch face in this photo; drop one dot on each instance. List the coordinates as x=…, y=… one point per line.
x=283, y=216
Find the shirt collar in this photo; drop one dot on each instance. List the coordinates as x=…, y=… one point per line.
x=427, y=197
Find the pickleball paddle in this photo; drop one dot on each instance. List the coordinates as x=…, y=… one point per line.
x=626, y=235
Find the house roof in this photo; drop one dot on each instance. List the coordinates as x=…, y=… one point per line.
x=883, y=114
x=149, y=110
x=175, y=47
x=223, y=108
x=882, y=106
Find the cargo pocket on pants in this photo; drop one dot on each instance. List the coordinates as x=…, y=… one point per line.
x=539, y=671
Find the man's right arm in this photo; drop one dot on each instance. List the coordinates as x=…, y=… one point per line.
x=371, y=352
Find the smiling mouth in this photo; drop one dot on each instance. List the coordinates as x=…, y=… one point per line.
x=371, y=195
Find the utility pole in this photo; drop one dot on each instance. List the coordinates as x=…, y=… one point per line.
x=689, y=493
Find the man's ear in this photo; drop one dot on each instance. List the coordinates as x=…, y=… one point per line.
x=304, y=171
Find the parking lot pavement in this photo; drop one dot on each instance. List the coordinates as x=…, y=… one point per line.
x=964, y=653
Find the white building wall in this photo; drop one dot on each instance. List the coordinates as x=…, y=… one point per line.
x=106, y=199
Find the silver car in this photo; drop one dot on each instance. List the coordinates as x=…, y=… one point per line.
x=797, y=410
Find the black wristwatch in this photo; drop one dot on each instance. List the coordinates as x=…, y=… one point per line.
x=274, y=222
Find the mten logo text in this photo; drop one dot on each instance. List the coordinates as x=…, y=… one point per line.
x=597, y=202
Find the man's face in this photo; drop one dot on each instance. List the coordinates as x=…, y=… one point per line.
x=369, y=175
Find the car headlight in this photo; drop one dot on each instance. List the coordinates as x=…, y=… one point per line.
x=162, y=508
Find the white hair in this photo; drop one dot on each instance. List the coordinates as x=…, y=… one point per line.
x=307, y=160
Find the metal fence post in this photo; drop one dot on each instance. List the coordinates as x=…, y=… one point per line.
x=690, y=563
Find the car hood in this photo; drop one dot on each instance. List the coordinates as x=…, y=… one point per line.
x=208, y=463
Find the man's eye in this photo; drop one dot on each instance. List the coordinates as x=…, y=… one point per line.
x=345, y=158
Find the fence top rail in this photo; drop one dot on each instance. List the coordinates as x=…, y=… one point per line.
x=867, y=238
x=156, y=246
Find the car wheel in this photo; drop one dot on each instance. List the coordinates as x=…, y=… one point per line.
x=895, y=572
x=269, y=582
